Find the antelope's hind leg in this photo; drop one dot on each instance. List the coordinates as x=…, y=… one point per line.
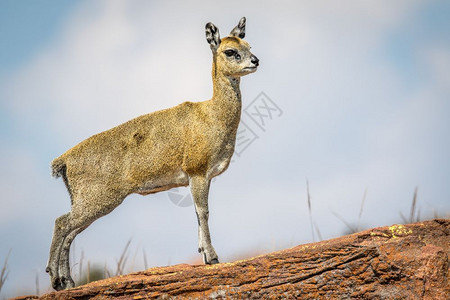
x=64, y=263
x=60, y=232
x=68, y=226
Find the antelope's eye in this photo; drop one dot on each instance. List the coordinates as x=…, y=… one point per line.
x=230, y=52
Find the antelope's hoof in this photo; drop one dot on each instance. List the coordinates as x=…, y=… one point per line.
x=214, y=261
x=58, y=284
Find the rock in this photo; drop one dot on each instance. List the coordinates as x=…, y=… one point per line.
x=395, y=262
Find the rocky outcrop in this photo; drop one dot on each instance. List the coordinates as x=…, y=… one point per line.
x=395, y=262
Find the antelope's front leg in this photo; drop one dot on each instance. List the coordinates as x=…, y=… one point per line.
x=200, y=189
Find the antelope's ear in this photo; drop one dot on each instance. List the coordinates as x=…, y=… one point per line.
x=212, y=36
x=239, y=30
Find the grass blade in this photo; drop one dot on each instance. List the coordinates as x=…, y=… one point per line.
x=37, y=284
x=310, y=210
x=123, y=259
x=4, y=273
x=413, y=206
x=318, y=231
x=403, y=218
x=361, y=209
x=145, y=259
x=350, y=227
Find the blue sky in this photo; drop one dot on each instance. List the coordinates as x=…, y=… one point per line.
x=27, y=27
x=363, y=86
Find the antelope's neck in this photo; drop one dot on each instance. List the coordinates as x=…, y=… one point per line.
x=226, y=98
x=226, y=89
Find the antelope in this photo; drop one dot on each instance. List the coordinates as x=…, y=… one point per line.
x=188, y=144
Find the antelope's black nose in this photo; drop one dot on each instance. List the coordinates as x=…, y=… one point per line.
x=255, y=60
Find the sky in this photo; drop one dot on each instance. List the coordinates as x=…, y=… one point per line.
x=351, y=97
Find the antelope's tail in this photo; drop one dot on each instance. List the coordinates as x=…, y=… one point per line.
x=58, y=166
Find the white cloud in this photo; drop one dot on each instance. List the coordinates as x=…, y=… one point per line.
x=19, y=172
x=103, y=70
x=436, y=58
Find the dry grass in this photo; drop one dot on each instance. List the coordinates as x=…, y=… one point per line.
x=353, y=228
x=414, y=214
x=123, y=259
x=308, y=196
x=358, y=225
x=145, y=259
x=350, y=227
x=88, y=272
x=4, y=273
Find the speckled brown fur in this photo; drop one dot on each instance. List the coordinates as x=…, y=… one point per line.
x=188, y=144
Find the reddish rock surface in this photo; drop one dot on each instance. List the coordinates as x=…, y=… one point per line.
x=395, y=262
